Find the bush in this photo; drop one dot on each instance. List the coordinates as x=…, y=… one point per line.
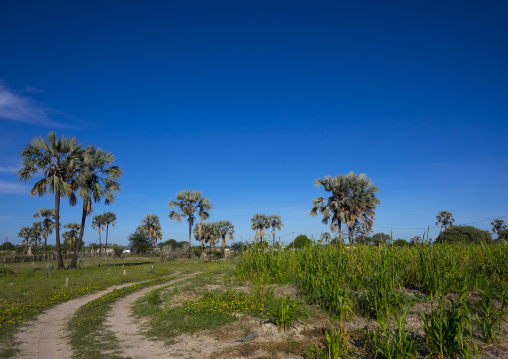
x=7, y=246
x=301, y=241
x=467, y=234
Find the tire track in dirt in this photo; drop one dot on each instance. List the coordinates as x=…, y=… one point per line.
x=45, y=336
x=127, y=331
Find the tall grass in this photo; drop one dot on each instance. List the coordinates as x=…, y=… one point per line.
x=369, y=279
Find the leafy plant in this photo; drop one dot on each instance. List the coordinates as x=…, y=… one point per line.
x=287, y=312
x=393, y=344
x=490, y=317
x=337, y=346
x=450, y=329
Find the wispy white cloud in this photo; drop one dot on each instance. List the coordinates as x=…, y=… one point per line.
x=16, y=106
x=9, y=169
x=13, y=188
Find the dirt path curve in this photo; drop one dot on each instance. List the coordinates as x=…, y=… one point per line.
x=127, y=331
x=44, y=337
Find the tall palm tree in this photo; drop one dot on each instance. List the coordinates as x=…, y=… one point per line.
x=72, y=234
x=361, y=203
x=446, y=220
x=259, y=223
x=48, y=216
x=332, y=208
x=109, y=218
x=98, y=226
x=25, y=234
x=225, y=229
x=199, y=234
x=35, y=232
x=188, y=203
x=57, y=161
x=352, y=201
x=275, y=222
x=152, y=226
x=96, y=180
x=498, y=227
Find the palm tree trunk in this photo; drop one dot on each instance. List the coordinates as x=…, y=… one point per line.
x=107, y=229
x=190, y=231
x=340, y=231
x=45, y=242
x=100, y=242
x=224, y=248
x=74, y=260
x=59, y=259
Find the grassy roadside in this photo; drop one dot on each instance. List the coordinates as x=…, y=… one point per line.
x=27, y=289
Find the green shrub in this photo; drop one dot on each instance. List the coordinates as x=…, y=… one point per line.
x=300, y=242
x=467, y=234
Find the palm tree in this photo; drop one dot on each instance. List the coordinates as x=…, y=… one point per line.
x=361, y=203
x=98, y=225
x=57, y=161
x=72, y=234
x=259, y=223
x=498, y=227
x=199, y=234
x=446, y=219
x=48, y=215
x=109, y=218
x=35, y=232
x=25, y=234
x=225, y=229
x=96, y=179
x=152, y=226
x=275, y=222
x=333, y=207
x=327, y=237
x=190, y=202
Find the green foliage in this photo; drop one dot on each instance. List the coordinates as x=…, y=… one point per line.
x=387, y=343
x=490, y=317
x=336, y=346
x=287, y=312
x=449, y=331
x=300, y=242
x=467, y=234
x=400, y=243
x=139, y=241
x=380, y=238
x=6, y=246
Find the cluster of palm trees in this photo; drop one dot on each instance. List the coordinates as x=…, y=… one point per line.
x=39, y=230
x=101, y=222
x=211, y=232
x=66, y=168
x=260, y=222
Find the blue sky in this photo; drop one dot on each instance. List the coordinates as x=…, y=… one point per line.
x=251, y=101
